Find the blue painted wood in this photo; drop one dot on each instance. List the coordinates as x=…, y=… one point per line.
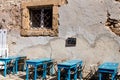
x=8, y=59
x=68, y=65
x=35, y=63
x=5, y=60
x=108, y=67
x=27, y=70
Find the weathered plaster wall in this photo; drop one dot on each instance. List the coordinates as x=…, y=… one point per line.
x=83, y=19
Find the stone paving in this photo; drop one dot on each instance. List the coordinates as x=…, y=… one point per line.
x=18, y=76
x=21, y=76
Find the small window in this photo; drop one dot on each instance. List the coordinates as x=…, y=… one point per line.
x=41, y=17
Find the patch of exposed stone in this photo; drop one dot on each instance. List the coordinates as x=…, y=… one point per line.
x=113, y=24
x=63, y=2
x=117, y=0
x=10, y=16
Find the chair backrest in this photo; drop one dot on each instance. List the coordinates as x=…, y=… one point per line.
x=3, y=44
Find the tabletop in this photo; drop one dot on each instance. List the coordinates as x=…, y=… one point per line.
x=109, y=65
x=6, y=58
x=70, y=63
x=39, y=60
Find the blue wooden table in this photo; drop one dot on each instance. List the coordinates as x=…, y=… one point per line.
x=7, y=60
x=35, y=63
x=109, y=68
x=68, y=65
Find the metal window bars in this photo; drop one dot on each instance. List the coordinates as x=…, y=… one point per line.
x=41, y=17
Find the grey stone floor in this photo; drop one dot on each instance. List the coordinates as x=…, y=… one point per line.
x=18, y=76
x=21, y=76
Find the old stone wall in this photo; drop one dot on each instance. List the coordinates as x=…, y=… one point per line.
x=83, y=19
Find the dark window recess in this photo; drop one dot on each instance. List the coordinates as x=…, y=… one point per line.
x=41, y=17
x=70, y=42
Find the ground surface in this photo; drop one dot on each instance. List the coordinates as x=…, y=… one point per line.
x=19, y=76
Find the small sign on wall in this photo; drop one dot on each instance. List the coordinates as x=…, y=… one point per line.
x=70, y=42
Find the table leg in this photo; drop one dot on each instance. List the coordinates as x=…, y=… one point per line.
x=23, y=67
x=58, y=74
x=80, y=75
x=5, y=68
x=113, y=76
x=16, y=66
x=27, y=72
x=35, y=75
x=44, y=71
x=75, y=75
x=100, y=76
x=68, y=73
x=52, y=70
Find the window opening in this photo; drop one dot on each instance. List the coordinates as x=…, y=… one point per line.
x=41, y=17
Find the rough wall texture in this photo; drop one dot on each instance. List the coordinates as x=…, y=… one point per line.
x=82, y=19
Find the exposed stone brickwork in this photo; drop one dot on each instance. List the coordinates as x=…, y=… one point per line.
x=113, y=24
x=10, y=11
x=117, y=0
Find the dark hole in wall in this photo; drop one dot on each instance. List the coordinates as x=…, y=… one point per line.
x=70, y=42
